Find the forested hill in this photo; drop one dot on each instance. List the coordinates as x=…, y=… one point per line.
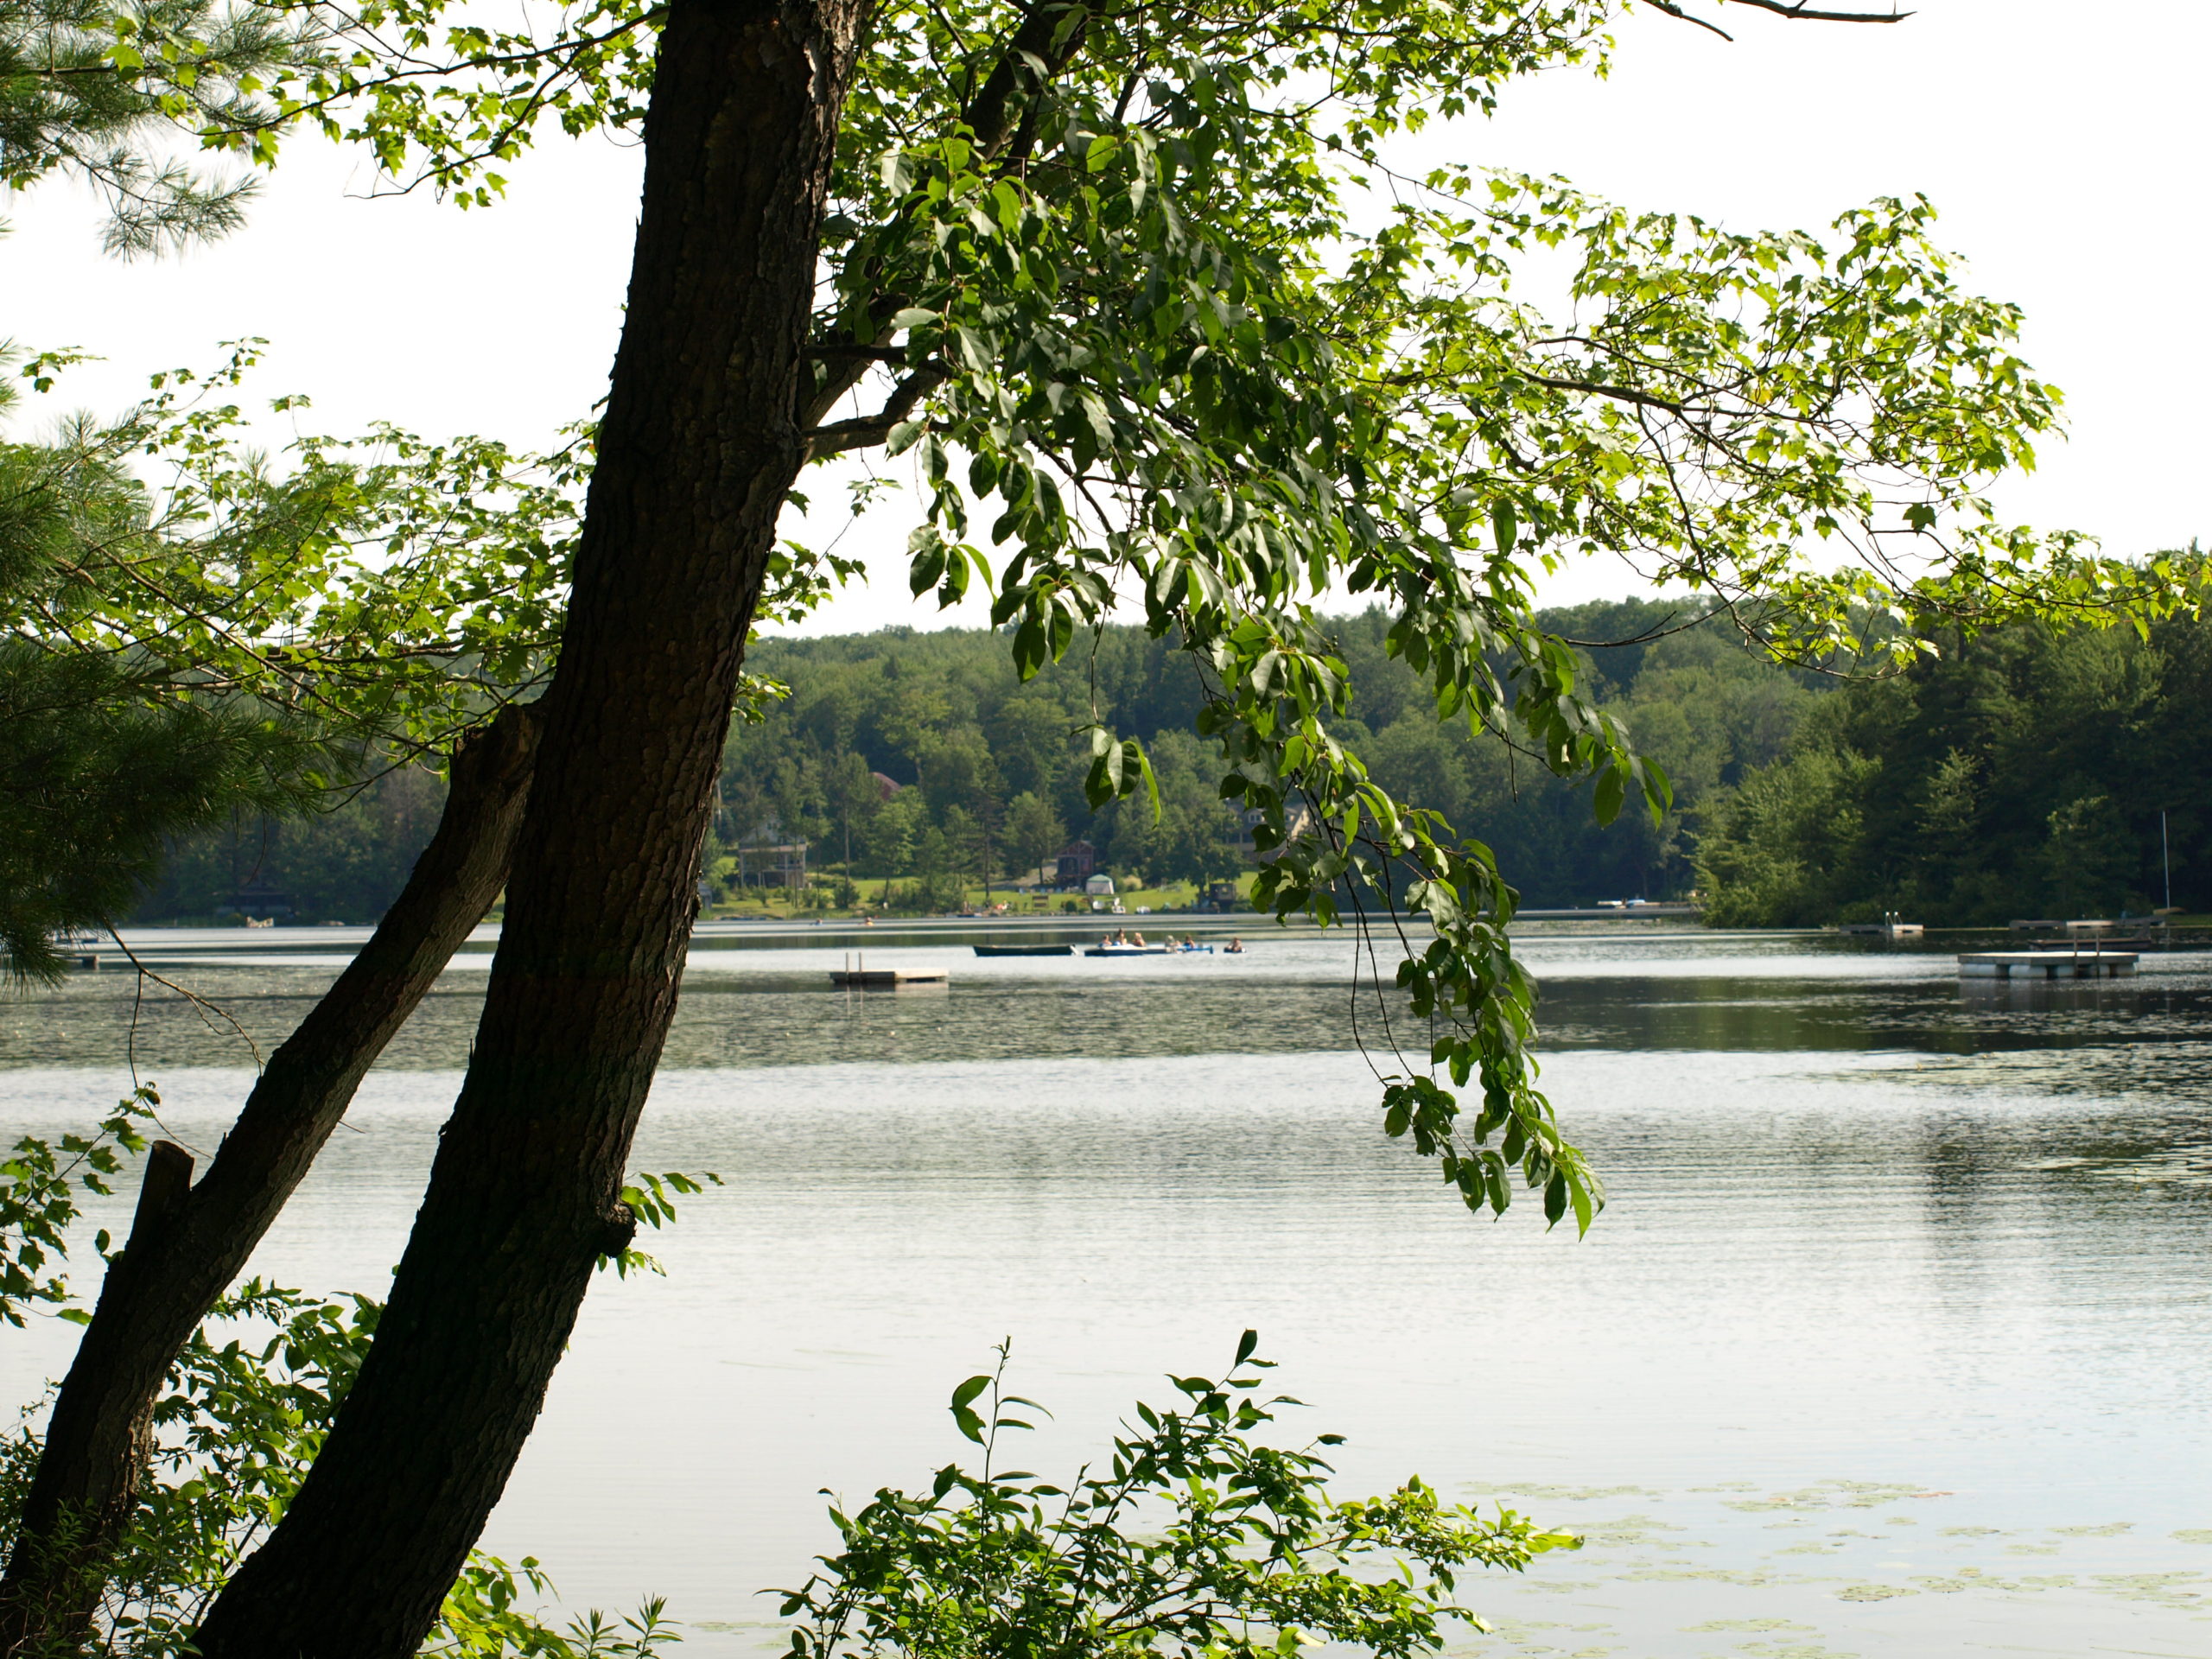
x=942, y=715
x=2016, y=775
x=991, y=768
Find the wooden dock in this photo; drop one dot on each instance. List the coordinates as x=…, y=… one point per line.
x=2047, y=965
x=883, y=979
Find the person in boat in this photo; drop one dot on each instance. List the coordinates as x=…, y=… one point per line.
x=1190, y=944
x=1233, y=948
x=1137, y=939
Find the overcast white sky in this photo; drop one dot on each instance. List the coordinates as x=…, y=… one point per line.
x=2062, y=141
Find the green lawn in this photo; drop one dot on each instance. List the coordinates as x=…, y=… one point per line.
x=780, y=905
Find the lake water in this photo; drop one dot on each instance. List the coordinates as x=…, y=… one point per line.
x=1896, y=1340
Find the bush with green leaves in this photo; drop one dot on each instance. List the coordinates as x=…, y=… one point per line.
x=42, y=1186
x=1193, y=1540
x=239, y=1424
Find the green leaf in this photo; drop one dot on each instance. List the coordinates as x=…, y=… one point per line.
x=1151, y=782
x=1505, y=526
x=929, y=555
x=1612, y=789
x=974, y=350
x=1555, y=1199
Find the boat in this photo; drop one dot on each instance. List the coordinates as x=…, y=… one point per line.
x=1169, y=950
x=1025, y=949
x=1888, y=928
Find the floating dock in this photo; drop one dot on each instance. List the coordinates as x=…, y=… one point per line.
x=882, y=979
x=2047, y=965
x=857, y=975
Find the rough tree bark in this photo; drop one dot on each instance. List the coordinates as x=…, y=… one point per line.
x=700, y=442
x=188, y=1243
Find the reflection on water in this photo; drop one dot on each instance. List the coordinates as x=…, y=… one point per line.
x=1893, y=1341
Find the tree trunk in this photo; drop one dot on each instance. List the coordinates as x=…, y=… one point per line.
x=700, y=444
x=188, y=1243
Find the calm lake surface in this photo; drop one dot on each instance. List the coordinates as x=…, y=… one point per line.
x=1896, y=1340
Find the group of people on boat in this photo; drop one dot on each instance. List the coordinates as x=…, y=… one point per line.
x=1126, y=940
x=1136, y=943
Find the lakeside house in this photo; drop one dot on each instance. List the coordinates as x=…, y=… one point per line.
x=258, y=898
x=781, y=865
x=767, y=858
x=1076, y=863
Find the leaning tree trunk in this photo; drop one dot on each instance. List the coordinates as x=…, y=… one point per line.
x=187, y=1243
x=698, y=447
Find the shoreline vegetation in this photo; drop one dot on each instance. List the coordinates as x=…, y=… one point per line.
x=911, y=764
x=2016, y=774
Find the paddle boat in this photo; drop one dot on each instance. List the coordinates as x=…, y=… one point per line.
x=1122, y=945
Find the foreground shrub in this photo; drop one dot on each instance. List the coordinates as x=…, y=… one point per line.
x=1193, y=1540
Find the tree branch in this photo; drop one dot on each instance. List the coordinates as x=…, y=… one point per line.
x=1808, y=15
x=1049, y=34
x=835, y=351
x=840, y=435
x=1674, y=11
x=1798, y=13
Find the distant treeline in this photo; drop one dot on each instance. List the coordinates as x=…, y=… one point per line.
x=2017, y=774
x=991, y=770
x=345, y=865
x=987, y=762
